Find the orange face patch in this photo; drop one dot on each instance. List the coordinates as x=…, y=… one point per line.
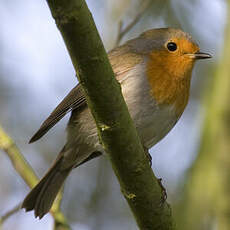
x=169, y=74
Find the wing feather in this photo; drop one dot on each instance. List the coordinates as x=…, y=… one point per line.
x=76, y=99
x=73, y=100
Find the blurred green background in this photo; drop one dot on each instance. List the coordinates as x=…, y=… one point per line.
x=193, y=160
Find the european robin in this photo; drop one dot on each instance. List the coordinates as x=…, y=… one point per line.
x=154, y=71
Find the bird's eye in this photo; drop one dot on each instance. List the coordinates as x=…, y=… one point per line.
x=172, y=46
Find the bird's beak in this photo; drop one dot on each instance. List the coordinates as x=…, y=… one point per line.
x=199, y=55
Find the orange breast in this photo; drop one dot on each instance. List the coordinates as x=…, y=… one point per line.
x=169, y=79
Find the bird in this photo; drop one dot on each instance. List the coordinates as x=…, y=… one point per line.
x=154, y=71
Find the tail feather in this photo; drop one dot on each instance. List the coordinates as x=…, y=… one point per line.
x=44, y=193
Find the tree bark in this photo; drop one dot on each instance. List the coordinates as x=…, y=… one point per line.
x=115, y=127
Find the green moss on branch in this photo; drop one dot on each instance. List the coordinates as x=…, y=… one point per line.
x=115, y=127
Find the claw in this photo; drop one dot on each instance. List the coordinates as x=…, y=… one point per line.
x=163, y=190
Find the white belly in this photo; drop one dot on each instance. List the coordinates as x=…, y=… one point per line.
x=153, y=122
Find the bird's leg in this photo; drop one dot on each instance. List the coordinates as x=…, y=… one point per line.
x=146, y=150
x=163, y=190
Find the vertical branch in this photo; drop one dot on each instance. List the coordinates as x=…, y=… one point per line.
x=115, y=127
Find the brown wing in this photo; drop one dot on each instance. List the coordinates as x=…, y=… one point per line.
x=73, y=100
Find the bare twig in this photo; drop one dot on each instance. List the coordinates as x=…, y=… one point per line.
x=123, y=31
x=18, y=161
x=9, y=213
x=27, y=173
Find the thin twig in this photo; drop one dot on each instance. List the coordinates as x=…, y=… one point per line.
x=27, y=173
x=9, y=213
x=18, y=161
x=124, y=31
